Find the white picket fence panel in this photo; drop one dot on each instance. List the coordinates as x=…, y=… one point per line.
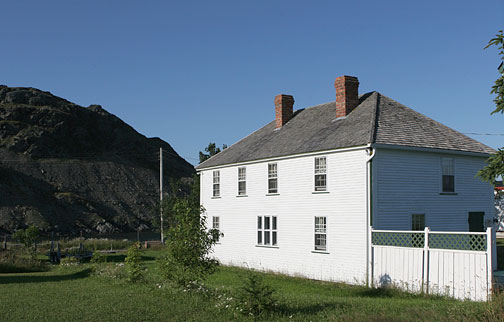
x=455, y=264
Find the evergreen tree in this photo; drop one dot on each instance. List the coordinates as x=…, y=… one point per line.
x=212, y=150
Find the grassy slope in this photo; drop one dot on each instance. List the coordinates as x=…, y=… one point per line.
x=72, y=294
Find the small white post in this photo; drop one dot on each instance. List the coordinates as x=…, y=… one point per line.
x=425, y=266
x=489, y=262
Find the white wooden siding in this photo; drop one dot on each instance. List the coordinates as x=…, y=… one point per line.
x=407, y=182
x=295, y=206
x=403, y=183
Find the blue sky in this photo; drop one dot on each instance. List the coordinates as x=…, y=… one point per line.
x=194, y=72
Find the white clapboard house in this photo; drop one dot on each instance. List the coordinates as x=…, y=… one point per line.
x=299, y=195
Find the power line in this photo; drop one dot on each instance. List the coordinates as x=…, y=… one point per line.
x=174, y=154
x=492, y=134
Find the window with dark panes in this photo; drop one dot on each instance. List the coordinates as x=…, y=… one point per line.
x=272, y=178
x=448, y=169
x=320, y=174
x=216, y=183
x=242, y=181
x=267, y=233
x=321, y=233
x=417, y=221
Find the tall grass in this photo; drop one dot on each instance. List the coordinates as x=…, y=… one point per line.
x=89, y=244
x=18, y=261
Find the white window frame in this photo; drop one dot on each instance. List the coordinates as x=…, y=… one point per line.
x=446, y=171
x=216, y=183
x=216, y=222
x=267, y=231
x=320, y=171
x=242, y=180
x=259, y=230
x=272, y=177
x=415, y=222
x=320, y=230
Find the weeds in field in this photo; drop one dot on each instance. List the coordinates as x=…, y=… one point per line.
x=70, y=261
x=494, y=310
x=97, y=243
x=20, y=261
x=111, y=271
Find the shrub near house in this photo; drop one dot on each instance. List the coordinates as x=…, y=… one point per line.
x=187, y=257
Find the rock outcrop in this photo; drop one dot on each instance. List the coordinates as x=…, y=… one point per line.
x=68, y=168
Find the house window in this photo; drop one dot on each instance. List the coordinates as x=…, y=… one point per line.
x=448, y=169
x=320, y=174
x=216, y=222
x=272, y=178
x=417, y=221
x=267, y=230
x=242, y=181
x=321, y=233
x=216, y=183
x=259, y=231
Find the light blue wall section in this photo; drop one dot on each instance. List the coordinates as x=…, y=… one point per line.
x=407, y=182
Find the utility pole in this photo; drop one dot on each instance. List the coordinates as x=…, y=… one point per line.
x=161, y=191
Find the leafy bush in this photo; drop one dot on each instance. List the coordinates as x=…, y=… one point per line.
x=12, y=261
x=98, y=258
x=134, y=265
x=27, y=236
x=255, y=296
x=188, y=245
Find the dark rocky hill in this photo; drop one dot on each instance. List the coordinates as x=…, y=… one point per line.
x=68, y=168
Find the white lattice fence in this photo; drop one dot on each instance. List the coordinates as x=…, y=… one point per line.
x=457, y=264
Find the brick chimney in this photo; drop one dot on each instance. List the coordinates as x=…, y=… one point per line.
x=283, y=109
x=347, y=95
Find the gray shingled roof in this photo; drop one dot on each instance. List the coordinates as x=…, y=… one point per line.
x=377, y=119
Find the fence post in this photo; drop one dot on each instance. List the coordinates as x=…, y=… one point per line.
x=425, y=266
x=489, y=262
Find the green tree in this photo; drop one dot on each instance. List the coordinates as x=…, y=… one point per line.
x=134, y=265
x=255, y=296
x=179, y=189
x=212, y=150
x=495, y=167
x=27, y=236
x=189, y=245
x=189, y=190
x=498, y=87
x=194, y=193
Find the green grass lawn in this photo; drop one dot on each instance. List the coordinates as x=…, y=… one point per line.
x=74, y=293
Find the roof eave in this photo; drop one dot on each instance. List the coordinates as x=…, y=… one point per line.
x=282, y=157
x=426, y=149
